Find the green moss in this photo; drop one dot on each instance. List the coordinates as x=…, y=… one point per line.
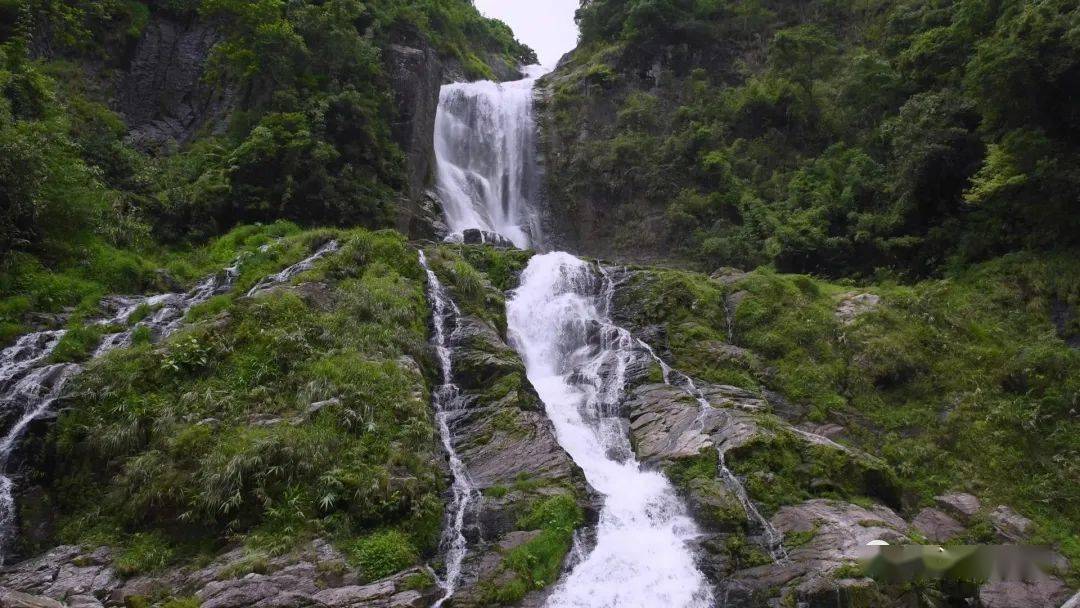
x=942, y=380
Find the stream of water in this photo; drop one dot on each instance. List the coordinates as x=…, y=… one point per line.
x=447, y=398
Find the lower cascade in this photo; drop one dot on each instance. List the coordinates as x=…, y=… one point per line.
x=577, y=359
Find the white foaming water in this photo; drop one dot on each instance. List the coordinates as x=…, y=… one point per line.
x=485, y=148
x=447, y=398
x=577, y=359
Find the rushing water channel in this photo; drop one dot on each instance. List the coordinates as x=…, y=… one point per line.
x=575, y=357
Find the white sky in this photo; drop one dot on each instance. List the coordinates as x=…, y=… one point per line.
x=545, y=25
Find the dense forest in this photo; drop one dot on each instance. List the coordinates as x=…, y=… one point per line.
x=835, y=137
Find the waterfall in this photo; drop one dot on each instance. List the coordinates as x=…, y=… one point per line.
x=447, y=398
x=29, y=385
x=577, y=360
x=485, y=149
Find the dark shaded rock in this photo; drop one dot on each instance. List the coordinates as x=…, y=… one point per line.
x=163, y=95
x=961, y=505
x=475, y=236
x=481, y=356
x=1063, y=316
x=936, y=525
x=415, y=75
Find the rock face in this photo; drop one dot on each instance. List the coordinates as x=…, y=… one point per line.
x=838, y=533
x=936, y=525
x=1010, y=525
x=964, y=506
x=163, y=95
x=318, y=575
x=509, y=449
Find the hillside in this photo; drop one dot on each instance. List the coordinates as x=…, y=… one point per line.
x=254, y=352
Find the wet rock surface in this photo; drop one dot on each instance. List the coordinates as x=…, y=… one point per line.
x=509, y=448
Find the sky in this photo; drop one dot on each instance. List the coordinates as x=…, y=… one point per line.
x=545, y=25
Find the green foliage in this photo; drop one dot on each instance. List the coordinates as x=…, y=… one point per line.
x=894, y=135
x=77, y=344
x=954, y=383
x=382, y=554
x=537, y=563
x=208, y=436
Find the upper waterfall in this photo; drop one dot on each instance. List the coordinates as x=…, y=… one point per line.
x=485, y=150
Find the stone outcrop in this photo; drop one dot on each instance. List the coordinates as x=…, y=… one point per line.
x=838, y=533
x=963, y=506
x=317, y=576
x=851, y=306
x=163, y=94
x=936, y=525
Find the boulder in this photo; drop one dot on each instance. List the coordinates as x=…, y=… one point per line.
x=958, y=504
x=839, y=533
x=15, y=599
x=1042, y=592
x=851, y=306
x=475, y=236
x=1010, y=525
x=936, y=525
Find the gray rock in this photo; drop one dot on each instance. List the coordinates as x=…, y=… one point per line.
x=841, y=532
x=936, y=525
x=1073, y=602
x=727, y=275
x=64, y=572
x=347, y=597
x=963, y=506
x=1043, y=592
x=1010, y=525
x=318, y=406
x=14, y=599
x=163, y=95
x=851, y=306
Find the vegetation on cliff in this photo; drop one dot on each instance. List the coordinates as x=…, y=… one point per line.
x=958, y=383
x=277, y=418
x=838, y=138
x=307, y=137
